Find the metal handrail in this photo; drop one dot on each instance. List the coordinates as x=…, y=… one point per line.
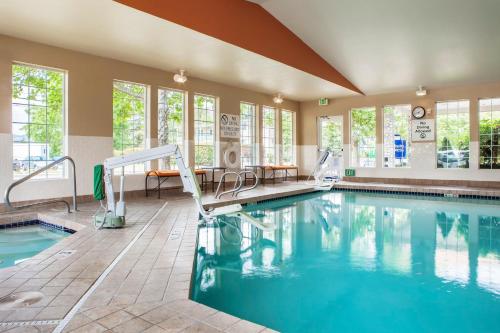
x=46, y=202
x=239, y=190
x=238, y=184
x=222, y=180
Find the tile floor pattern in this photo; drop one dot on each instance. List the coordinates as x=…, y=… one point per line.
x=63, y=281
x=147, y=291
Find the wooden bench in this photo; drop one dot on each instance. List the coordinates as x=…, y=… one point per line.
x=274, y=169
x=163, y=175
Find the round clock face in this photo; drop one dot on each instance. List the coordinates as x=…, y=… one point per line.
x=418, y=112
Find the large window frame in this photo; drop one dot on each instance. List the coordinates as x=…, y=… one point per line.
x=130, y=114
x=452, y=134
x=363, y=140
x=171, y=122
x=287, y=154
x=331, y=134
x=205, y=115
x=248, y=134
x=397, y=131
x=489, y=133
x=38, y=120
x=269, y=135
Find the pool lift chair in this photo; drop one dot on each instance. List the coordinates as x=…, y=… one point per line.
x=327, y=172
x=113, y=215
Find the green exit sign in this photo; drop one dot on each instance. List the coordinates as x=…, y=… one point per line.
x=323, y=101
x=350, y=172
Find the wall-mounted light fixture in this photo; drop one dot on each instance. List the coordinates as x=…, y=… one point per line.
x=421, y=91
x=278, y=99
x=180, y=77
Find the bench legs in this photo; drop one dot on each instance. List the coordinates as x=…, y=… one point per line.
x=158, y=187
x=146, y=185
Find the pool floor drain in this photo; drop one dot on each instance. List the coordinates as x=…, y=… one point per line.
x=64, y=254
x=19, y=300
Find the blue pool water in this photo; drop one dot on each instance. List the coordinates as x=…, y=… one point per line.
x=356, y=262
x=21, y=243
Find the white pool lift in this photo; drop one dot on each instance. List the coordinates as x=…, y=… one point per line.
x=328, y=170
x=114, y=212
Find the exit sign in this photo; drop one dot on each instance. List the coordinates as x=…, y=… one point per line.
x=350, y=172
x=323, y=101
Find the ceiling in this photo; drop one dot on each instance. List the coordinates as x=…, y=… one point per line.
x=107, y=28
x=396, y=45
x=380, y=46
x=247, y=25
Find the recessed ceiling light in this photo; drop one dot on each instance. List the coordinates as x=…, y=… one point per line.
x=180, y=77
x=421, y=91
x=278, y=99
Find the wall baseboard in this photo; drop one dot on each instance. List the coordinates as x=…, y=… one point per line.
x=424, y=182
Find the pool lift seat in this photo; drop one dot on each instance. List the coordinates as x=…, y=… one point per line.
x=115, y=212
x=235, y=210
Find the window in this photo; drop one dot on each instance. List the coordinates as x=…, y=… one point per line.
x=170, y=122
x=269, y=134
x=38, y=103
x=363, y=137
x=452, y=134
x=396, y=135
x=247, y=134
x=287, y=151
x=129, y=121
x=330, y=134
x=489, y=133
x=204, y=130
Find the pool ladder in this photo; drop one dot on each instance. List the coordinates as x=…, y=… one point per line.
x=238, y=183
x=45, y=202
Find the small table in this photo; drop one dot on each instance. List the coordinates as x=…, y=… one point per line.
x=255, y=168
x=213, y=170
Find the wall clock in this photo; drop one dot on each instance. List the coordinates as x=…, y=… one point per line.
x=418, y=112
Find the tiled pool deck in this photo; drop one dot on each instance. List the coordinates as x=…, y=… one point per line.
x=147, y=290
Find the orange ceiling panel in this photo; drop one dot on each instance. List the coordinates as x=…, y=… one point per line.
x=246, y=25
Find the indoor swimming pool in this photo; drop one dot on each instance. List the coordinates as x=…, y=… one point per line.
x=356, y=262
x=20, y=243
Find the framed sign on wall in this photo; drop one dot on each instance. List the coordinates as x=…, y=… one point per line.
x=423, y=130
x=229, y=126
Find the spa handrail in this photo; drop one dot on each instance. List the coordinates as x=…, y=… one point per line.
x=243, y=189
x=237, y=184
x=46, y=202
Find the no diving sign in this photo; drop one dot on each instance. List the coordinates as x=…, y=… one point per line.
x=422, y=130
x=229, y=126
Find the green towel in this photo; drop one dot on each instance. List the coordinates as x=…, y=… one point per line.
x=99, y=182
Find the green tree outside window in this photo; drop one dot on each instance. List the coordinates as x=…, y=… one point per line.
x=204, y=129
x=129, y=120
x=287, y=137
x=453, y=135
x=37, y=119
x=363, y=137
x=170, y=122
x=269, y=134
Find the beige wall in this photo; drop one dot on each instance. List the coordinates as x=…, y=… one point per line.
x=311, y=110
x=89, y=110
x=90, y=86
x=423, y=165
